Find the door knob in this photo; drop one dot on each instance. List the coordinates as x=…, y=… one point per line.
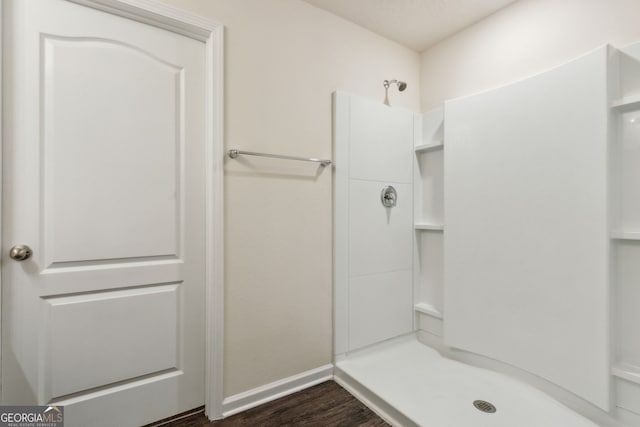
x=20, y=252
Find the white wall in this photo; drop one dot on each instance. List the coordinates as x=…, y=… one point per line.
x=527, y=246
x=373, y=283
x=523, y=39
x=283, y=60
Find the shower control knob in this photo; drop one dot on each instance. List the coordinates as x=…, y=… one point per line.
x=20, y=253
x=389, y=197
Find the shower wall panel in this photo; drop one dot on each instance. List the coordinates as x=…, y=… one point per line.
x=373, y=148
x=526, y=244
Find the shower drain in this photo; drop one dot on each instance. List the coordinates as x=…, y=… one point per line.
x=484, y=406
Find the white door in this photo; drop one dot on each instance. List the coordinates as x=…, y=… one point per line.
x=103, y=178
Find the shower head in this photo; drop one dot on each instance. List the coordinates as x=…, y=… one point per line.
x=401, y=87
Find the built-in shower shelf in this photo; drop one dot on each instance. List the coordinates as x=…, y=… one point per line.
x=428, y=309
x=625, y=235
x=627, y=372
x=429, y=227
x=429, y=147
x=627, y=103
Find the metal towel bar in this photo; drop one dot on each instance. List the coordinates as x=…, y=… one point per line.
x=235, y=153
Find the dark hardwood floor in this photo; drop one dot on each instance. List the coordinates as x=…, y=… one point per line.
x=324, y=405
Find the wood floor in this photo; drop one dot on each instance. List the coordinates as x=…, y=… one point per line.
x=324, y=405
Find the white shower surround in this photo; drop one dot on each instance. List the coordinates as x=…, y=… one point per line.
x=527, y=245
x=601, y=365
x=373, y=255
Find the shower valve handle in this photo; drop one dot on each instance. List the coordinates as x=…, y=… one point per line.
x=389, y=197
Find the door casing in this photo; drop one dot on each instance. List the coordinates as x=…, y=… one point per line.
x=212, y=35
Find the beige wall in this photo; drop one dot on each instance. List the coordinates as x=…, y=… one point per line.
x=525, y=38
x=283, y=60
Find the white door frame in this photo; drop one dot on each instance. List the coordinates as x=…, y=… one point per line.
x=212, y=35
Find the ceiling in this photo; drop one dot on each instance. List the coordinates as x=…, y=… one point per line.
x=417, y=24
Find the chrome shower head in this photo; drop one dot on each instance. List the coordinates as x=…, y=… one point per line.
x=401, y=87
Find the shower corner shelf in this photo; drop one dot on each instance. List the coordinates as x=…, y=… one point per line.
x=627, y=102
x=625, y=235
x=626, y=372
x=423, y=148
x=428, y=309
x=428, y=226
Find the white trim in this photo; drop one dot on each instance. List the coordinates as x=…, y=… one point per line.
x=212, y=34
x=158, y=15
x=214, y=392
x=1, y=168
x=275, y=390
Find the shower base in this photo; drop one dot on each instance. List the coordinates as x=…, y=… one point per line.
x=411, y=384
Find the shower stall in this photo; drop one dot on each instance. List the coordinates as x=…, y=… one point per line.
x=512, y=245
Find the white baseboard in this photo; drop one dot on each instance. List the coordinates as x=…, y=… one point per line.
x=275, y=390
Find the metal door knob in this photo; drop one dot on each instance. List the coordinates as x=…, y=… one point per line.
x=20, y=252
